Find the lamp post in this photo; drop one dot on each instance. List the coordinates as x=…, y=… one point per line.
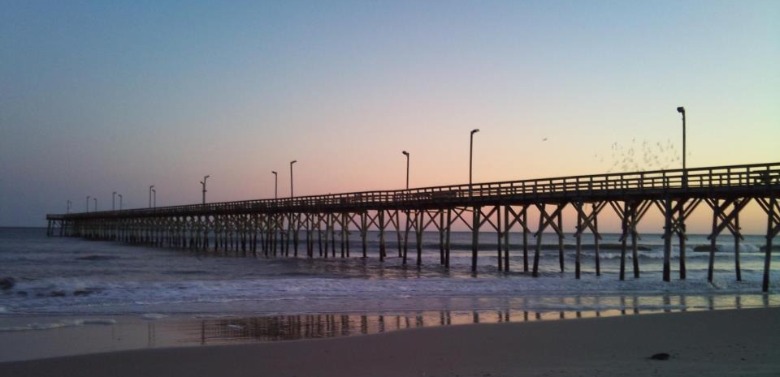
x=291, y=177
x=681, y=110
x=471, y=155
x=150, y=195
x=69, y=204
x=203, y=182
x=276, y=185
x=88, y=202
x=95, y=199
x=154, y=195
x=120, y=201
x=113, y=201
x=407, y=168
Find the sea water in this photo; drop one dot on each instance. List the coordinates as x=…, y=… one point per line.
x=68, y=296
x=73, y=276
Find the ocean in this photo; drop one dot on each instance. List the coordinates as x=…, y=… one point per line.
x=73, y=276
x=72, y=282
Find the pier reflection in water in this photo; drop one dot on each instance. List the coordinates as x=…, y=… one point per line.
x=213, y=331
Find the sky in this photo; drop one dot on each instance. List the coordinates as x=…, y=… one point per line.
x=104, y=96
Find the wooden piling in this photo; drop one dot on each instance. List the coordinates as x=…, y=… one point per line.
x=418, y=232
x=507, y=227
x=441, y=229
x=476, y=210
x=538, y=235
x=578, y=238
x=449, y=231
x=382, y=248
x=559, y=232
x=364, y=232
x=406, y=237
x=737, y=237
x=713, y=238
x=770, y=206
x=500, y=239
x=667, y=205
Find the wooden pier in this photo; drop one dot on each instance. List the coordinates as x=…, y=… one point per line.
x=279, y=227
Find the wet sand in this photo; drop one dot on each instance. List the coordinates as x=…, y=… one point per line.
x=714, y=343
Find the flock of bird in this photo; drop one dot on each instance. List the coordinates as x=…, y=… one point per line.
x=644, y=156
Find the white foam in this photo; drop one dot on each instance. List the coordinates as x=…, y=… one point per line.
x=40, y=326
x=37, y=326
x=153, y=316
x=214, y=316
x=98, y=322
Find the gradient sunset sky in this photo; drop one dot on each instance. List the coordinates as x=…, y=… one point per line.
x=103, y=96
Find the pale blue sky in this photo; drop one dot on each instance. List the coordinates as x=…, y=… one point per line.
x=103, y=96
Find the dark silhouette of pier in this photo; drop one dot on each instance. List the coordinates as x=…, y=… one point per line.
x=274, y=227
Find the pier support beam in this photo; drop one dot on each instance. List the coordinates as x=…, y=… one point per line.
x=630, y=215
x=476, y=211
x=772, y=209
x=545, y=220
x=521, y=218
x=587, y=220
x=382, y=248
x=675, y=211
x=723, y=218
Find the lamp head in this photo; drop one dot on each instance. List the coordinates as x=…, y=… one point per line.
x=681, y=110
x=293, y=161
x=474, y=131
x=405, y=153
x=274, y=172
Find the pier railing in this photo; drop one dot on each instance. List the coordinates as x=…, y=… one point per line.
x=660, y=182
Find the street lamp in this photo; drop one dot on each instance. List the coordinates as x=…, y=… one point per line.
x=291, y=177
x=276, y=185
x=95, y=199
x=681, y=110
x=154, y=195
x=471, y=155
x=150, y=195
x=407, y=168
x=120, y=201
x=203, y=182
x=88, y=202
x=113, y=201
x=69, y=204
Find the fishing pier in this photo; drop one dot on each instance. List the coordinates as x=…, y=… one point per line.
x=319, y=225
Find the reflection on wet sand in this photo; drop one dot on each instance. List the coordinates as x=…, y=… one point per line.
x=314, y=326
x=54, y=337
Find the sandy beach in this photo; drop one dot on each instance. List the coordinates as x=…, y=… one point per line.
x=712, y=343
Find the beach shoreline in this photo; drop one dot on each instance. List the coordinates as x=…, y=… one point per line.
x=722, y=342
x=49, y=336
